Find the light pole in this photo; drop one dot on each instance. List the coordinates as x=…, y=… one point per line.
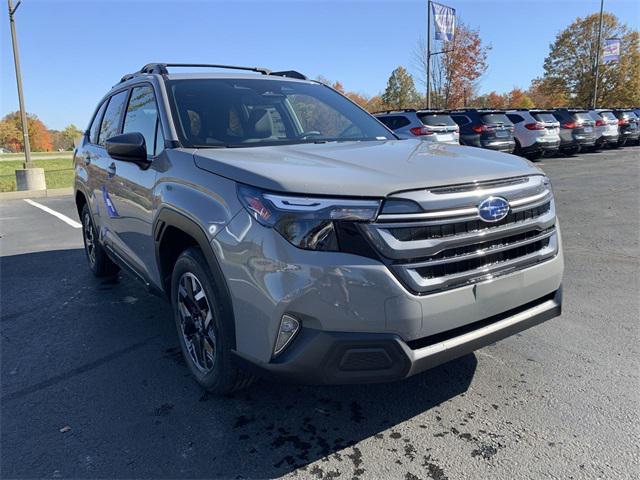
x=29, y=178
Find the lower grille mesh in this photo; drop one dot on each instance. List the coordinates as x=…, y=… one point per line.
x=482, y=262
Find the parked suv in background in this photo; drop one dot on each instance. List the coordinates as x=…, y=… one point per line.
x=607, y=130
x=485, y=128
x=430, y=125
x=629, y=124
x=577, y=129
x=295, y=235
x=536, y=132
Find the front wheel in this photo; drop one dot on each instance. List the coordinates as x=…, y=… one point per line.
x=204, y=332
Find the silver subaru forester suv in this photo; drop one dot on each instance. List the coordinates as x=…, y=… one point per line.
x=296, y=236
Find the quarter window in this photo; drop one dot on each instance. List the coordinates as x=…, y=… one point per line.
x=112, y=115
x=94, y=130
x=142, y=116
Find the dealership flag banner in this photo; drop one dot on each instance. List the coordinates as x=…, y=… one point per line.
x=611, y=50
x=444, y=20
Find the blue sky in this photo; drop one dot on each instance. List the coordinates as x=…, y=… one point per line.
x=73, y=52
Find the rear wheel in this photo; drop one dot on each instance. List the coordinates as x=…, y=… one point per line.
x=99, y=262
x=204, y=332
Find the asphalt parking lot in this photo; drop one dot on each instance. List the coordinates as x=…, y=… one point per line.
x=93, y=385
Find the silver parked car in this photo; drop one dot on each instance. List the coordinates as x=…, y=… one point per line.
x=429, y=125
x=537, y=132
x=294, y=235
x=606, y=127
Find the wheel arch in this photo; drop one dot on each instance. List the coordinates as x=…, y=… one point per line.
x=81, y=201
x=173, y=233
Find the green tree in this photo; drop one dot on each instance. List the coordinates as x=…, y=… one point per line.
x=569, y=67
x=70, y=134
x=400, y=91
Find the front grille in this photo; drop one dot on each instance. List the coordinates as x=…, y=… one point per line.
x=449, y=229
x=448, y=245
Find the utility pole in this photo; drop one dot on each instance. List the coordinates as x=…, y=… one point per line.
x=597, y=65
x=428, y=54
x=29, y=178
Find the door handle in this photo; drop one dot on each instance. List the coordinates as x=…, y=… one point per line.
x=112, y=169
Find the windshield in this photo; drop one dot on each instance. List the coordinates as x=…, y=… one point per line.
x=257, y=112
x=545, y=117
x=436, y=119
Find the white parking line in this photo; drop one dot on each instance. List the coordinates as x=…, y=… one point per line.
x=62, y=217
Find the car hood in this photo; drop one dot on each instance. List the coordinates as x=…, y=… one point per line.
x=368, y=169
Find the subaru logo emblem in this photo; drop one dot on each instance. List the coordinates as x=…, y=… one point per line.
x=493, y=209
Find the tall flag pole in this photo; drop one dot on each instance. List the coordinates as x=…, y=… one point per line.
x=428, y=54
x=597, y=66
x=444, y=21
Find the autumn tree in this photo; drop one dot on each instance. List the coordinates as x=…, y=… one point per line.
x=400, y=91
x=371, y=104
x=518, y=98
x=454, y=73
x=570, y=65
x=39, y=137
x=547, y=93
x=492, y=100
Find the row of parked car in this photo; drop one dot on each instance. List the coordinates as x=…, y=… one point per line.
x=529, y=133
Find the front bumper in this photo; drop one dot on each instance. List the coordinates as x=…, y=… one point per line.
x=320, y=357
x=352, y=300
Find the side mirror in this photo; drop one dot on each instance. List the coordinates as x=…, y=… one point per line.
x=128, y=147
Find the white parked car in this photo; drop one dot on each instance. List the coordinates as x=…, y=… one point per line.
x=607, y=129
x=428, y=125
x=537, y=133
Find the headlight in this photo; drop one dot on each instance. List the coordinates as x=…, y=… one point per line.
x=306, y=222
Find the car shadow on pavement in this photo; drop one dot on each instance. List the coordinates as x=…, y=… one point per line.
x=115, y=377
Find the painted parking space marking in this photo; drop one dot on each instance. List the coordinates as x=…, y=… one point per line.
x=59, y=215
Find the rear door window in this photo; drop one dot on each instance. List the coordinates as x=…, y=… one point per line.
x=436, y=119
x=112, y=115
x=495, y=119
x=544, y=117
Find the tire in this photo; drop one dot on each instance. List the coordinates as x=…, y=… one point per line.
x=205, y=327
x=535, y=156
x=99, y=262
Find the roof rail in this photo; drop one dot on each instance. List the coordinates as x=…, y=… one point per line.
x=289, y=74
x=161, y=69
x=397, y=110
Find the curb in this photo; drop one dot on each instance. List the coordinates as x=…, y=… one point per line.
x=52, y=192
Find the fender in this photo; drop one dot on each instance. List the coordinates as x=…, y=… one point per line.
x=169, y=217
